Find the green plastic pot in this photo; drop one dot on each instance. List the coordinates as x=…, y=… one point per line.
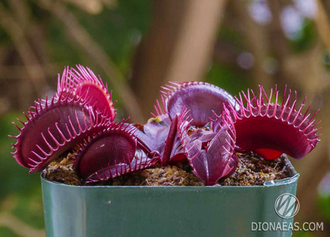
x=135, y=211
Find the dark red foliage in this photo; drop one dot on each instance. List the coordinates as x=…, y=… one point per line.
x=193, y=121
x=52, y=127
x=113, y=146
x=270, y=129
x=86, y=85
x=210, y=150
x=200, y=98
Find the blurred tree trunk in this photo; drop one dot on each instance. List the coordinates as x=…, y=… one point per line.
x=305, y=73
x=257, y=44
x=314, y=81
x=279, y=46
x=178, y=46
x=79, y=35
x=14, y=25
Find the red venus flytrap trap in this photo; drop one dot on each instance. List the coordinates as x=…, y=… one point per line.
x=270, y=129
x=194, y=121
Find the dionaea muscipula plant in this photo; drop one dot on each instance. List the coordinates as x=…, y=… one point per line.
x=193, y=121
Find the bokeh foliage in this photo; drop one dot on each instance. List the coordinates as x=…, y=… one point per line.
x=118, y=29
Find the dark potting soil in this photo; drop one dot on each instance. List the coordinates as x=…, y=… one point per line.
x=251, y=170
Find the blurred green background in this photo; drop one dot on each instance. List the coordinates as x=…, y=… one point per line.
x=138, y=45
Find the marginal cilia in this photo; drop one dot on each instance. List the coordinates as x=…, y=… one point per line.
x=193, y=121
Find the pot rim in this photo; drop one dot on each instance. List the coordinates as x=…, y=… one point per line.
x=273, y=183
x=281, y=182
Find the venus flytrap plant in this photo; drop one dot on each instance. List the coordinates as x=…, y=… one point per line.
x=210, y=151
x=85, y=84
x=194, y=121
x=270, y=129
x=53, y=127
x=117, y=153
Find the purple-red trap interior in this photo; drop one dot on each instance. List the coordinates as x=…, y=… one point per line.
x=194, y=121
